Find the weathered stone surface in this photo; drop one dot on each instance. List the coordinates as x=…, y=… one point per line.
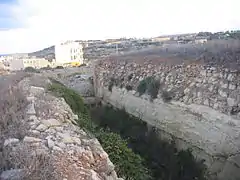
x=10, y=141
x=14, y=174
x=50, y=143
x=51, y=122
x=31, y=139
x=41, y=127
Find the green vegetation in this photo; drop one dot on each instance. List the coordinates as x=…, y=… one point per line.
x=46, y=68
x=166, y=96
x=150, y=86
x=129, y=87
x=59, y=67
x=111, y=84
x=31, y=69
x=161, y=157
x=128, y=164
x=136, y=150
x=130, y=77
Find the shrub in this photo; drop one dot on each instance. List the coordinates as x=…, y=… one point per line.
x=142, y=87
x=31, y=69
x=46, y=68
x=159, y=156
x=111, y=84
x=129, y=88
x=128, y=164
x=149, y=85
x=81, y=65
x=72, y=98
x=153, y=88
x=59, y=67
x=130, y=77
x=166, y=96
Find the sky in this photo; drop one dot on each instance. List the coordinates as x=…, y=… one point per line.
x=30, y=25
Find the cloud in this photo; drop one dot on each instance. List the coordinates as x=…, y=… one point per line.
x=41, y=23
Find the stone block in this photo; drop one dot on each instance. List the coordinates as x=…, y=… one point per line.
x=51, y=122
x=50, y=143
x=29, y=139
x=41, y=128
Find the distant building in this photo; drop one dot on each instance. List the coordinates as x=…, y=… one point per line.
x=161, y=39
x=35, y=62
x=69, y=52
x=16, y=64
x=201, y=40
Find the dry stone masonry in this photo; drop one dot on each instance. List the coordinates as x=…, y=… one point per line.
x=75, y=155
x=217, y=88
x=204, y=113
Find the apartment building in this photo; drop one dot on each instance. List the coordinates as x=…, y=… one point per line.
x=69, y=52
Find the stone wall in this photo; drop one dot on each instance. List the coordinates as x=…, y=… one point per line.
x=52, y=133
x=214, y=87
x=203, y=114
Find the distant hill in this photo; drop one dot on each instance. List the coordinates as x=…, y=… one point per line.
x=48, y=53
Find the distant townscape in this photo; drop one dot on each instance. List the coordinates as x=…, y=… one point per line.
x=77, y=53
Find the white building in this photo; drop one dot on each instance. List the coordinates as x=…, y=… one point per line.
x=69, y=52
x=16, y=64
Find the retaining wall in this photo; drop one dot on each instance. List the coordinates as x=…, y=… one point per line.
x=204, y=112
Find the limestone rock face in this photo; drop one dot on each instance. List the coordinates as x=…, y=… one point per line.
x=53, y=135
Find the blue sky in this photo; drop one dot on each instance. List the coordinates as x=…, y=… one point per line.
x=29, y=25
x=6, y=19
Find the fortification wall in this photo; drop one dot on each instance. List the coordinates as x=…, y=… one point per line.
x=203, y=113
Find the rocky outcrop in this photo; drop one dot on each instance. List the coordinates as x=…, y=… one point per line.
x=54, y=146
x=79, y=79
x=203, y=113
